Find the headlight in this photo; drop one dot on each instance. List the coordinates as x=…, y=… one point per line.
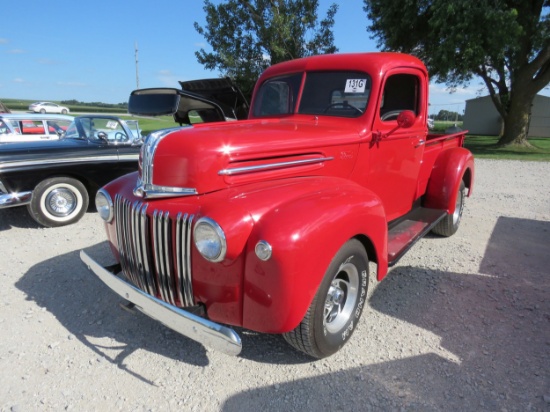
x=210, y=239
x=104, y=205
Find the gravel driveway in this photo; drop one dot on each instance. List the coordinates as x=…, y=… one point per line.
x=460, y=324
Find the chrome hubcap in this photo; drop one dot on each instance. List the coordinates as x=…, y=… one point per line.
x=341, y=298
x=61, y=202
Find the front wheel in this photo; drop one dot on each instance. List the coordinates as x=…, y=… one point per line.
x=58, y=201
x=336, y=308
x=449, y=224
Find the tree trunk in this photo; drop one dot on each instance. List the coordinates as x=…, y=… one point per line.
x=516, y=122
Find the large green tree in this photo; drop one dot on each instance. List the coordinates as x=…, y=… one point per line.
x=504, y=42
x=246, y=36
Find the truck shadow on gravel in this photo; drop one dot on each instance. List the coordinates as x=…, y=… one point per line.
x=93, y=314
x=483, y=344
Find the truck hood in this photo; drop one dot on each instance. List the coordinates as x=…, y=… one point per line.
x=209, y=157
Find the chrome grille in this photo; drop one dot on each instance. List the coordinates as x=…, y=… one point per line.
x=155, y=251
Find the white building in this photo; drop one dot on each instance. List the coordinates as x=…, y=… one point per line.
x=481, y=117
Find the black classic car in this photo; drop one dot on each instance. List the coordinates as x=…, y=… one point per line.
x=55, y=178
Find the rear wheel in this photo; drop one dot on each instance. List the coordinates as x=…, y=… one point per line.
x=336, y=308
x=58, y=201
x=450, y=223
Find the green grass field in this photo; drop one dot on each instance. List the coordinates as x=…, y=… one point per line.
x=485, y=147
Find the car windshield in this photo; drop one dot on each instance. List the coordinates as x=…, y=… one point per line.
x=341, y=93
x=97, y=128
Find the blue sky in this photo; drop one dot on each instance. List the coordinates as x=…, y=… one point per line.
x=63, y=50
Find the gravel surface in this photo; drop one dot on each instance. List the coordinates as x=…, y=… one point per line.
x=460, y=324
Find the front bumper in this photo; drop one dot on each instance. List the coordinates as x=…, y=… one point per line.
x=14, y=199
x=194, y=327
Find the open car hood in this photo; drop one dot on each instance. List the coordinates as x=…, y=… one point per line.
x=208, y=100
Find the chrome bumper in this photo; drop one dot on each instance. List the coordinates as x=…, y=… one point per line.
x=194, y=327
x=14, y=199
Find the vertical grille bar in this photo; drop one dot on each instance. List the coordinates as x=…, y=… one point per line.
x=152, y=257
x=146, y=250
x=184, y=286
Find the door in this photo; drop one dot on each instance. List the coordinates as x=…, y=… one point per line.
x=396, y=157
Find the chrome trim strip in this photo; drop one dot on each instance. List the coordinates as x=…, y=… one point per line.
x=150, y=191
x=270, y=166
x=129, y=157
x=15, y=199
x=16, y=164
x=148, y=151
x=201, y=330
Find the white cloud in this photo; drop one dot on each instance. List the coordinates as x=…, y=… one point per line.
x=3, y=41
x=16, y=51
x=47, y=61
x=18, y=80
x=167, y=78
x=72, y=84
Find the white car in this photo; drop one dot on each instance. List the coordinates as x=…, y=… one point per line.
x=48, y=107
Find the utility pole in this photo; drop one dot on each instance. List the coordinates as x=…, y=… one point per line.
x=137, y=68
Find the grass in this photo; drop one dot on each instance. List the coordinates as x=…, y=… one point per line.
x=485, y=147
x=150, y=124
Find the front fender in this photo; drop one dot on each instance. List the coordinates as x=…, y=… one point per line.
x=450, y=168
x=305, y=233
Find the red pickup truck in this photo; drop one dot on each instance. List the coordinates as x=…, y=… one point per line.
x=270, y=223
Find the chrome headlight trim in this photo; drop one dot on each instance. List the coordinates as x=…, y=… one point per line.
x=209, y=239
x=104, y=205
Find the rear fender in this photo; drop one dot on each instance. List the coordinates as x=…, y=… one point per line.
x=450, y=168
x=305, y=233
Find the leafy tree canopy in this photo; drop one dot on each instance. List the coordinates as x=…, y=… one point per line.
x=505, y=42
x=246, y=36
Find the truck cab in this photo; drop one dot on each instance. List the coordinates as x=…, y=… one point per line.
x=270, y=223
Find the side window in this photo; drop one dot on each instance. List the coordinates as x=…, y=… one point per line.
x=58, y=126
x=32, y=127
x=401, y=92
x=4, y=128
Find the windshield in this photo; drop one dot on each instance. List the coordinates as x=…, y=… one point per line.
x=341, y=93
x=98, y=128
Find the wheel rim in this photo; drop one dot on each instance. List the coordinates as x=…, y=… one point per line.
x=341, y=298
x=61, y=202
x=459, y=206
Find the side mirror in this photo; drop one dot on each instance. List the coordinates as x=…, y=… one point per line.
x=406, y=119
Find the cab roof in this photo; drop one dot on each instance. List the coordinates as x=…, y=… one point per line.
x=374, y=63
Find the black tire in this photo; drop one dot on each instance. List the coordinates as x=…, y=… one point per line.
x=58, y=201
x=337, y=306
x=63, y=111
x=450, y=223
x=42, y=111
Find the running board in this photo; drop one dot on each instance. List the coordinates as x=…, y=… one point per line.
x=413, y=226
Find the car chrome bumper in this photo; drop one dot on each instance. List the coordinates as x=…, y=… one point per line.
x=194, y=327
x=14, y=199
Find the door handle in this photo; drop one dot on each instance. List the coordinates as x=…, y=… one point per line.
x=420, y=143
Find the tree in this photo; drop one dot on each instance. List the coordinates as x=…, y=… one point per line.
x=505, y=42
x=247, y=36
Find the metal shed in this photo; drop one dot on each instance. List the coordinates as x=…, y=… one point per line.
x=481, y=117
